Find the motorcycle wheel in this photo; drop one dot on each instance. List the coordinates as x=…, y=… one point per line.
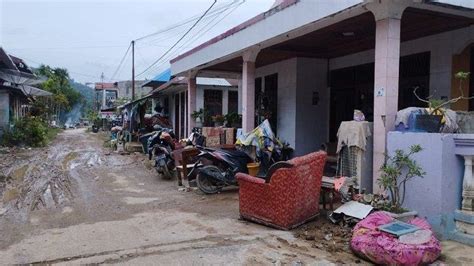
x=165, y=172
x=205, y=183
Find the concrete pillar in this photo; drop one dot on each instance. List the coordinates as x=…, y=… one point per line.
x=192, y=88
x=248, y=90
x=468, y=185
x=225, y=101
x=248, y=96
x=239, y=92
x=387, y=61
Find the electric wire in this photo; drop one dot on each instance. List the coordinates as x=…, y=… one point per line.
x=180, y=39
x=184, y=22
x=121, y=62
x=197, y=35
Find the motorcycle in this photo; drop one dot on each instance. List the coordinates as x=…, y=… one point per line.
x=216, y=168
x=161, y=146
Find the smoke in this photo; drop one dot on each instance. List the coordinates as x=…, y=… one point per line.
x=73, y=116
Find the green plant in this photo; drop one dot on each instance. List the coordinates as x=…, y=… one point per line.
x=218, y=119
x=233, y=119
x=29, y=131
x=435, y=106
x=198, y=114
x=396, y=172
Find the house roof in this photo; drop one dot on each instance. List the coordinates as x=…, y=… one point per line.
x=281, y=33
x=105, y=85
x=15, y=71
x=200, y=81
x=159, y=79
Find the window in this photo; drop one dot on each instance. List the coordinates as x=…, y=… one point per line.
x=212, y=103
x=233, y=102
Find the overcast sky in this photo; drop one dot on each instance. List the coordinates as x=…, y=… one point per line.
x=89, y=37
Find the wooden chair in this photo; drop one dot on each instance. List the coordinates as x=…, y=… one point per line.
x=183, y=159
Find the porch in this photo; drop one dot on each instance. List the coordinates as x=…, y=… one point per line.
x=351, y=55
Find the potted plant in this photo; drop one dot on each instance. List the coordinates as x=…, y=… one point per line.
x=396, y=172
x=431, y=122
x=218, y=120
x=233, y=120
x=198, y=117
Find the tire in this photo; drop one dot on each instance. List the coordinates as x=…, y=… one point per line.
x=166, y=173
x=205, y=183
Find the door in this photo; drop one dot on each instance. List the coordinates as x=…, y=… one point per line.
x=212, y=103
x=271, y=93
x=342, y=107
x=414, y=73
x=177, y=126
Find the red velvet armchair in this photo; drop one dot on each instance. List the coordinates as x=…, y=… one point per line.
x=287, y=198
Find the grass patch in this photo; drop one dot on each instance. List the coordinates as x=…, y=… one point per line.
x=52, y=133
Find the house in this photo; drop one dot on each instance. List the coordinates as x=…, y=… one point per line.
x=168, y=101
x=322, y=59
x=318, y=60
x=217, y=96
x=16, y=90
x=107, y=93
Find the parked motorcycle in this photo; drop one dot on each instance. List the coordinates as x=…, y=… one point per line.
x=216, y=168
x=161, y=146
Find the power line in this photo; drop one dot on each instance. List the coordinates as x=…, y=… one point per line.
x=182, y=37
x=184, y=22
x=198, y=34
x=121, y=62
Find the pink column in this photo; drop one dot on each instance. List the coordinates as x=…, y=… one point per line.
x=387, y=61
x=248, y=96
x=192, y=87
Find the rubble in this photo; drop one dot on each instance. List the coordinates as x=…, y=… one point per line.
x=329, y=237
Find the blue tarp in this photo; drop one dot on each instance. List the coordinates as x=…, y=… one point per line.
x=164, y=76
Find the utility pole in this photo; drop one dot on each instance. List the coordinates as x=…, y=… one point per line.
x=133, y=70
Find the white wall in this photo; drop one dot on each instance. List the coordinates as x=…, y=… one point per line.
x=286, y=97
x=442, y=47
x=312, y=121
x=303, y=125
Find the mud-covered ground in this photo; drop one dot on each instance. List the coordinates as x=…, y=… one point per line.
x=75, y=202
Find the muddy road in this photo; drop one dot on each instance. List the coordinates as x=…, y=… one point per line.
x=73, y=202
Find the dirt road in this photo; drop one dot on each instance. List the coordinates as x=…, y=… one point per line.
x=73, y=203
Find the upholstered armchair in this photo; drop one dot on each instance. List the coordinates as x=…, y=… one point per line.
x=287, y=197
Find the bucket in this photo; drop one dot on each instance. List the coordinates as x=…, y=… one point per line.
x=253, y=168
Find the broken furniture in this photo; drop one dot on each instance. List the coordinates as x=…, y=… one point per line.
x=288, y=198
x=354, y=147
x=331, y=160
x=328, y=192
x=383, y=248
x=184, y=163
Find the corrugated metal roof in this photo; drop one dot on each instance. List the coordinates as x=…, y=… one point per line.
x=164, y=76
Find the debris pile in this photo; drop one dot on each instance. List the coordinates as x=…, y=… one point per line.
x=326, y=236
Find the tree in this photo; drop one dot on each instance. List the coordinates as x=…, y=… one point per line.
x=65, y=97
